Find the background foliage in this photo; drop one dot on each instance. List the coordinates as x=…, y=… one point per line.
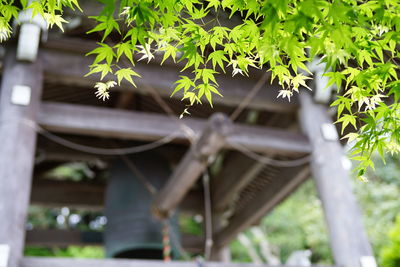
x=390, y=254
x=298, y=224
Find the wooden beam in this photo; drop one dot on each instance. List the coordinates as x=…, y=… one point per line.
x=63, y=238
x=64, y=64
x=68, y=262
x=90, y=195
x=67, y=193
x=125, y=100
x=192, y=165
x=348, y=239
x=236, y=173
x=17, y=150
x=105, y=122
x=62, y=154
x=286, y=181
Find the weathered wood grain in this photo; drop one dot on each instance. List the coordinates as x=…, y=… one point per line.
x=17, y=150
x=105, y=122
x=287, y=181
x=348, y=239
x=193, y=164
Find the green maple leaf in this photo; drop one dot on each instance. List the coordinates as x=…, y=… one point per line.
x=206, y=75
x=213, y=4
x=347, y=119
x=125, y=49
x=104, y=52
x=104, y=69
x=126, y=74
x=184, y=83
x=170, y=51
x=218, y=58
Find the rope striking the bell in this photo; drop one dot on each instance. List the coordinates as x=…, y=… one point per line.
x=166, y=241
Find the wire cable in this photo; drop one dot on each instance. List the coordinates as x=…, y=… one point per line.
x=271, y=161
x=106, y=151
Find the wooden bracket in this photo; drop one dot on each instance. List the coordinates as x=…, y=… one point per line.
x=192, y=165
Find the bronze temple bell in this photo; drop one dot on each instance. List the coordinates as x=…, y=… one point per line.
x=132, y=231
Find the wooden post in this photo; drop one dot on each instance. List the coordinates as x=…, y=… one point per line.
x=192, y=165
x=348, y=239
x=21, y=88
x=219, y=253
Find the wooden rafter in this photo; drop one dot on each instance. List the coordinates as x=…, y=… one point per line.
x=65, y=63
x=238, y=171
x=287, y=181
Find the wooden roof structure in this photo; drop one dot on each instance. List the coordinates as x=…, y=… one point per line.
x=245, y=187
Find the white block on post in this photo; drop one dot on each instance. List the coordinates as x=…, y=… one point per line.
x=32, y=28
x=4, y=254
x=28, y=42
x=21, y=95
x=368, y=261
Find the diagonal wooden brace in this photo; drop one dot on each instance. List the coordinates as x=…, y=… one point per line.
x=192, y=165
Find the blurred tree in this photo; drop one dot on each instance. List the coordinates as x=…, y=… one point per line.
x=298, y=223
x=390, y=254
x=70, y=252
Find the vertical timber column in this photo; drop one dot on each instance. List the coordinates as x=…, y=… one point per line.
x=20, y=93
x=220, y=254
x=349, y=242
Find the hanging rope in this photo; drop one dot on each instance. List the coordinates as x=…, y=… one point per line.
x=166, y=241
x=208, y=216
